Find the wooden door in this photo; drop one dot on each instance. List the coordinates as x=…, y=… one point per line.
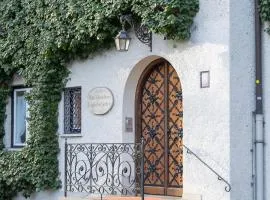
x=160, y=123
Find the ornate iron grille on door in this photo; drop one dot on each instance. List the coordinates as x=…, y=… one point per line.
x=104, y=169
x=161, y=126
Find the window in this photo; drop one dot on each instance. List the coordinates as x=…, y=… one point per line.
x=72, y=110
x=19, y=117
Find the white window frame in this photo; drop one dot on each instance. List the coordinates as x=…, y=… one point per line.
x=14, y=114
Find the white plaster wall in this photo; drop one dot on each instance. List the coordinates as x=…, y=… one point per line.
x=242, y=83
x=266, y=103
x=206, y=111
x=206, y=115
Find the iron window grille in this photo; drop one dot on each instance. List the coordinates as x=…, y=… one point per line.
x=72, y=110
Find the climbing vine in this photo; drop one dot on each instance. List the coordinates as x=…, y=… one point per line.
x=37, y=39
x=264, y=9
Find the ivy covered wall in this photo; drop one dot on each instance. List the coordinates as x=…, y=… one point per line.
x=37, y=40
x=265, y=12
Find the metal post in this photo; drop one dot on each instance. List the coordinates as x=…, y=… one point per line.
x=259, y=157
x=65, y=181
x=142, y=168
x=258, y=59
x=150, y=42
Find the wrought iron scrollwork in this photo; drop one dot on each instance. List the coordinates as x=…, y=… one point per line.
x=144, y=35
x=142, y=31
x=113, y=169
x=228, y=186
x=72, y=110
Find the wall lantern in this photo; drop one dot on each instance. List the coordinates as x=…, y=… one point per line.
x=142, y=32
x=122, y=41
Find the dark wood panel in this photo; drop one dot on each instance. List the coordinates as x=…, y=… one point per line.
x=153, y=127
x=154, y=190
x=175, y=130
x=160, y=122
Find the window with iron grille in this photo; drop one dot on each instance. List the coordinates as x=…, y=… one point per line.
x=72, y=110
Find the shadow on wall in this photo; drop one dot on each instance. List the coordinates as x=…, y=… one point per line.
x=129, y=96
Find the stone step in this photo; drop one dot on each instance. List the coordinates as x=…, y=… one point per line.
x=147, y=197
x=187, y=196
x=110, y=198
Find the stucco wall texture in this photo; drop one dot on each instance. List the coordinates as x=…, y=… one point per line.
x=217, y=120
x=242, y=71
x=266, y=103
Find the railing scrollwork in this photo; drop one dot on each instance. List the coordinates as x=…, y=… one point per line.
x=104, y=168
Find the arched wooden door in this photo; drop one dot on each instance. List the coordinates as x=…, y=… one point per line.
x=159, y=120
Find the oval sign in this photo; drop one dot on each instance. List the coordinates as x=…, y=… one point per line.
x=100, y=100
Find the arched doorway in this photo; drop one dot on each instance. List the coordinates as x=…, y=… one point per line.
x=159, y=120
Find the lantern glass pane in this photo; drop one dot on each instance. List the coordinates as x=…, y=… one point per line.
x=117, y=44
x=127, y=44
x=122, y=44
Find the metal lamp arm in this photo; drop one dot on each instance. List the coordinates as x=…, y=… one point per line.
x=142, y=32
x=128, y=19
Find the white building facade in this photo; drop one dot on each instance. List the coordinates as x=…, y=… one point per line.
x=218, y=121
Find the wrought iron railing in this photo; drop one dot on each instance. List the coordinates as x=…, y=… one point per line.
x=228, y=185
x=104, y=169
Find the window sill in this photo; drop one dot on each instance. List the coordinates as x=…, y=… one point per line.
x=13, y=149
x=70, y=135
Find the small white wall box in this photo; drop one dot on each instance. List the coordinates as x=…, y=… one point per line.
x=129, y=124
x=205, y=79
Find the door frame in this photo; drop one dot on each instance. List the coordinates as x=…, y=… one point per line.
x=138, y=96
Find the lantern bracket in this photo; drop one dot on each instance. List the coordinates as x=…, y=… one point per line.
x=142, y=31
